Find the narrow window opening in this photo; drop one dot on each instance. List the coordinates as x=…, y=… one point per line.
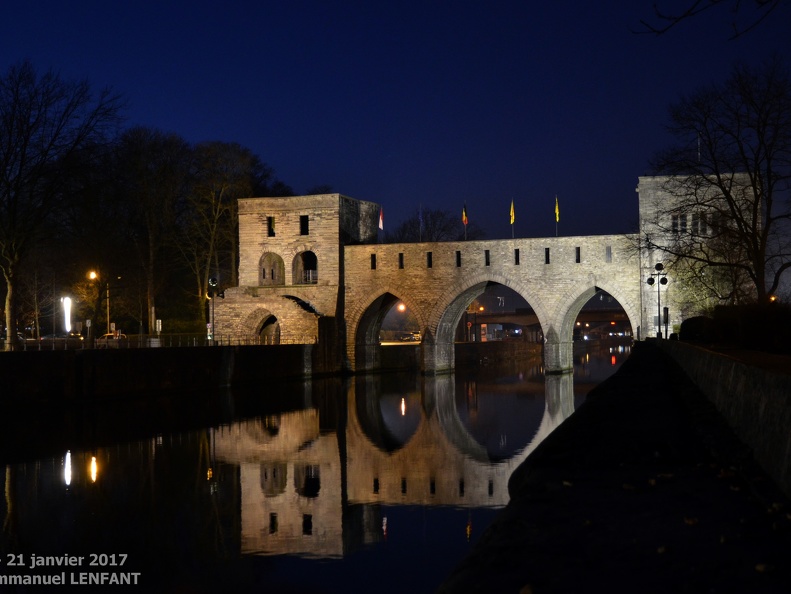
x=546, y=255
x=608, y=254
x=432, y=487
x=683, y=223
x=376, y=486
x=270, y=226
x=674, y=223
x=486, y=257
x=401, y=260
x=429, y=259
x=307, y=524
x=272, y=523
x=403, y=486
x=461, y=487
x=373, y=261
x=578, y=257
x=516, y=256
x=491, y=488
x=458, y=259
x=304, y=225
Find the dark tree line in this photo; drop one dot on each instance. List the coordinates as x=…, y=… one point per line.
x=153, y=216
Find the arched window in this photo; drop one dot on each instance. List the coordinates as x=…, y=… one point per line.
x=306, y=268
x=271, y=270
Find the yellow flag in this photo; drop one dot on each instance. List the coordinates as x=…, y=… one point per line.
x=557, y=210
x=464, y=214
x=512, y=212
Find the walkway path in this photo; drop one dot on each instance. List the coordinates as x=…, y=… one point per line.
x=643, y=489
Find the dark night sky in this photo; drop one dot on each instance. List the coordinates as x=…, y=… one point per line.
x=407, y=103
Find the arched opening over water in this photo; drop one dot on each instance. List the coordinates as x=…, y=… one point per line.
x=386, y=321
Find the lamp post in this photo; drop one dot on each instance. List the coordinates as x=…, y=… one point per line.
x=212, y=291
x=660, y=276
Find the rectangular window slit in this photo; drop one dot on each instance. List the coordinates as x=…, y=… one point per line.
x=486, y=257
x=373, y=261
x=546, y=255
x=578, y=257
x=429, y=259
x=516, y=256
x=401, y=260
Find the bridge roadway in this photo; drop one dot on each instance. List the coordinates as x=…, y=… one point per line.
x=438, y=282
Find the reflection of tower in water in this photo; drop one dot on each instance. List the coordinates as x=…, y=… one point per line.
x=298, y=486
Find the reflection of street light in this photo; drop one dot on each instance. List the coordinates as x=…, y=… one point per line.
x=662, y=276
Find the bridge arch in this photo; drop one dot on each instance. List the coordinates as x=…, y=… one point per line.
x=559, y=332
x=263, y=325
x=439, y=351
x=366, y=323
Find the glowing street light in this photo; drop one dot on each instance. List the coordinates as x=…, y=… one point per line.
x=66, y=301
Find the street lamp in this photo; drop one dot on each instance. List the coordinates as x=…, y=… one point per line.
x=93, y=275
x=652, y=279
x=213, y=294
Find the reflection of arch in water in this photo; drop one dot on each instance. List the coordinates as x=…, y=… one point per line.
x=368, y=414
x=441, y=464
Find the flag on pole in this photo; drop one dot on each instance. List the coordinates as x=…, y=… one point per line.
x=557, y=210
x=464, y=214
x=381, y=219
x=513, y=218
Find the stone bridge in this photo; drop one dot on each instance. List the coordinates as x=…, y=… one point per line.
x=308, y=258
x=438, y=281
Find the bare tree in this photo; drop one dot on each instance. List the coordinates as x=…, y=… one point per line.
x=221, y=173
x=45, y=122
x=729, y=179
x=428, y=224
x=746, y=14
x=153, y=174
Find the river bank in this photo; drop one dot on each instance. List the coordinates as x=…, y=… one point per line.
x=644, y=488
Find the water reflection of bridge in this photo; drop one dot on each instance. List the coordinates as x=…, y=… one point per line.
x=302, y=488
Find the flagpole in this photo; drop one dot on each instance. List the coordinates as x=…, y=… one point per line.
x=557, y=215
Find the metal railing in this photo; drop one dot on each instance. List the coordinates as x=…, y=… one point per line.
x=141, y=341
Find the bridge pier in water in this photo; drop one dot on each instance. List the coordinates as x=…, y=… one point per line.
x=558, y=356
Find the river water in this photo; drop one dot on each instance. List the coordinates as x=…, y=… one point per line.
x=376, y=484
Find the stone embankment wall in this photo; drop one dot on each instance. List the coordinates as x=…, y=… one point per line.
x=755, y=402
x=50, y=376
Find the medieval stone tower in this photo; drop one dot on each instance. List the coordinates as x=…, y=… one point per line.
x=291, y=266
